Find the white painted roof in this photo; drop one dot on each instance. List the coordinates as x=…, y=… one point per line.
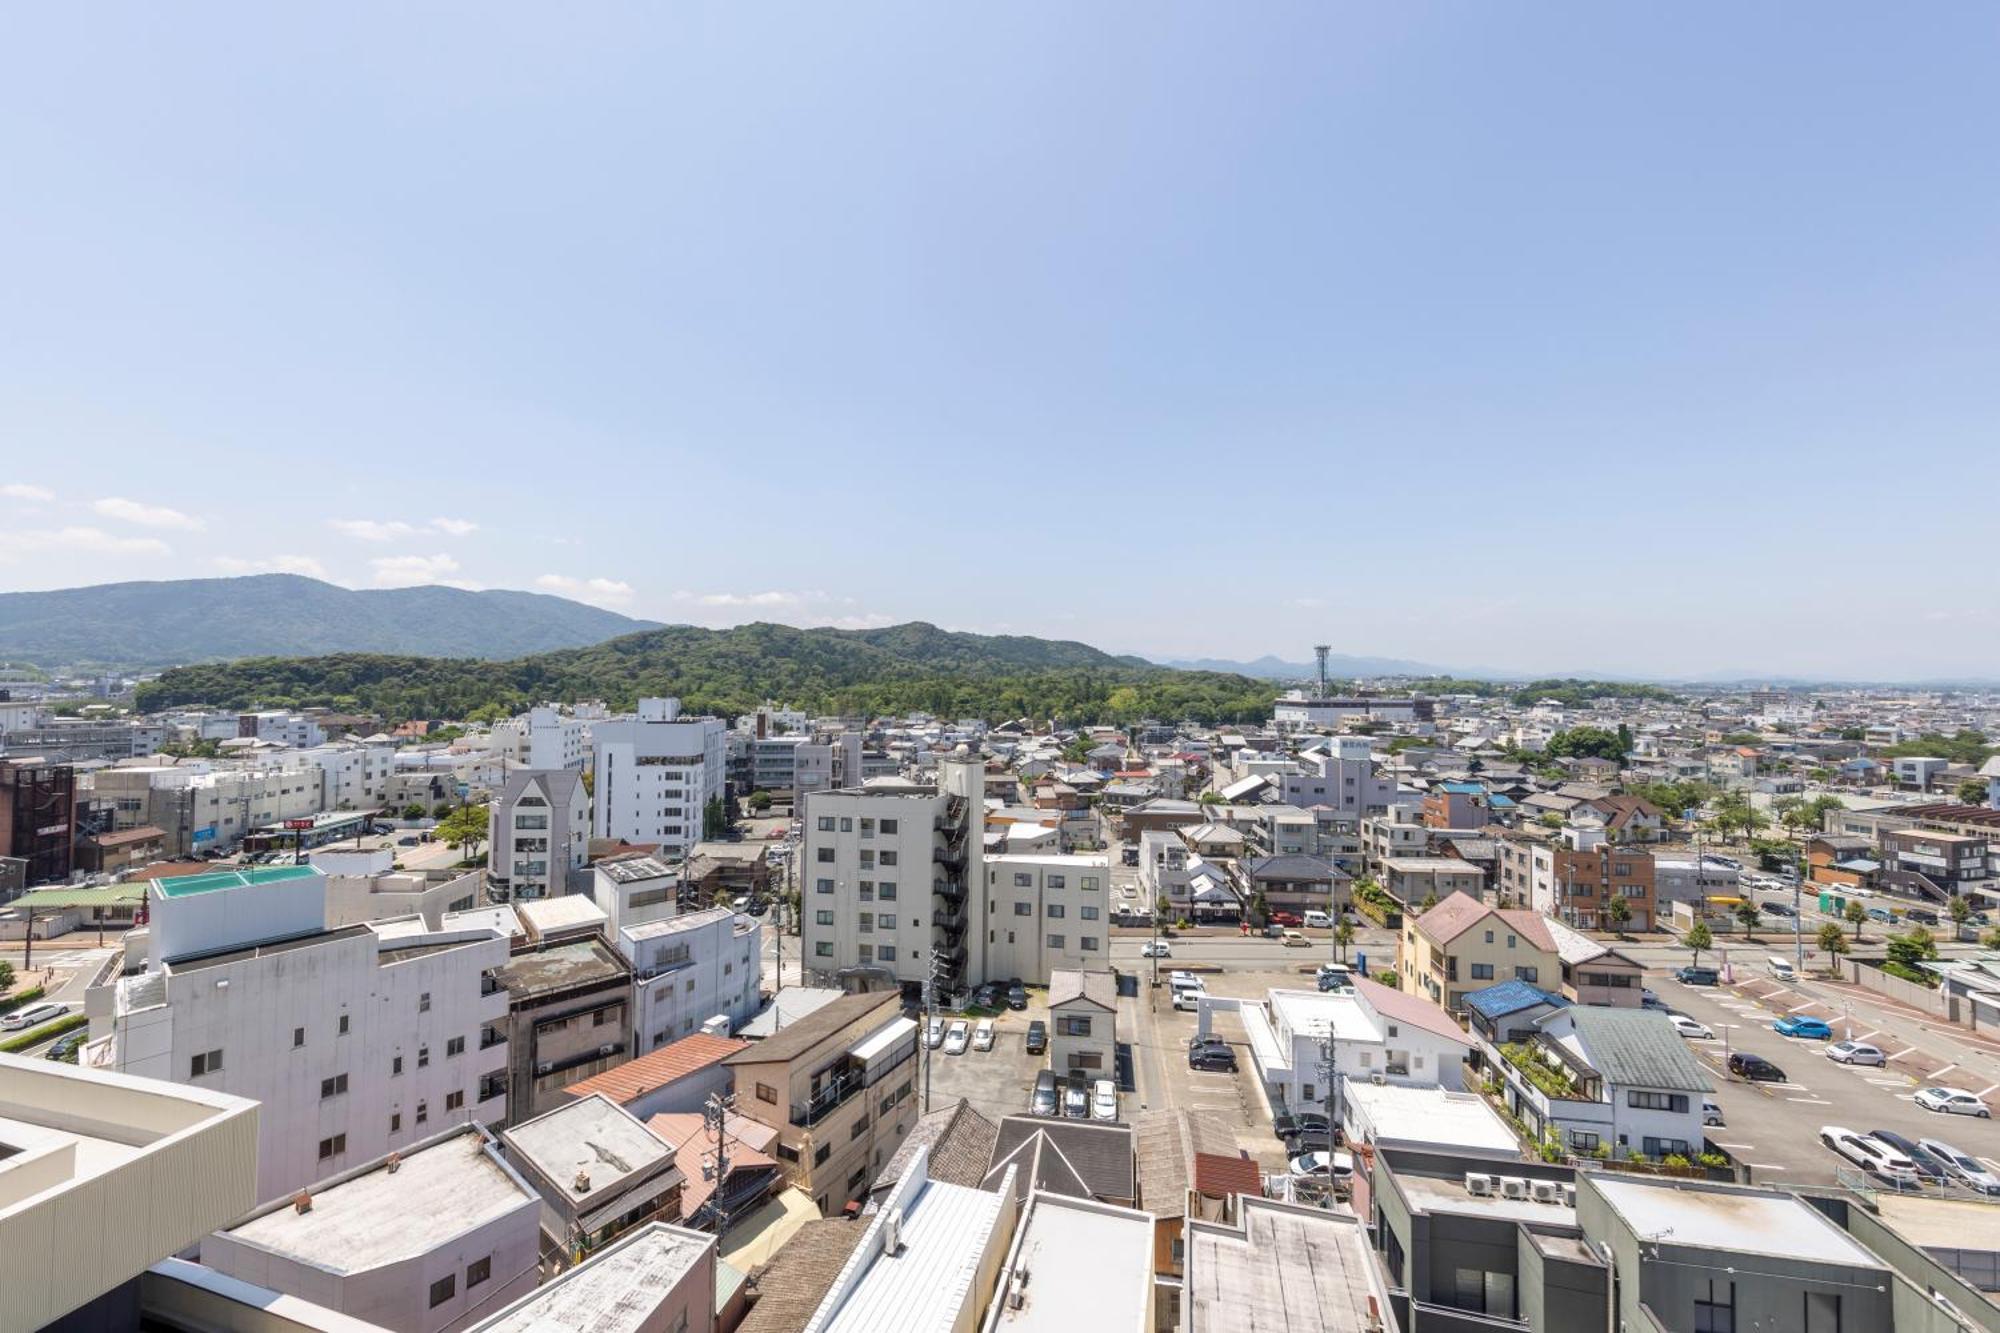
x=1078, y=1264
x=1744, y=1221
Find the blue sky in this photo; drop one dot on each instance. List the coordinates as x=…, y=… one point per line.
x=1659, y=341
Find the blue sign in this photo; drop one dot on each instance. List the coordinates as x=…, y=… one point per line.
x=205, y=834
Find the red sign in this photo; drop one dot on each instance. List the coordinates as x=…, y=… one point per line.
x=298, y=823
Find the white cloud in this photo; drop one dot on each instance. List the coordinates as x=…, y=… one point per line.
x=370, y=530
x=868, y=620
x=277, y=564
x=93, y=541
x=145, y=515
x=454, y=527
x=21, y=490
x=402, y=571
x=767, y=600
x=598, y=592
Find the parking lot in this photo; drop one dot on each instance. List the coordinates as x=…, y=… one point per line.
x=1773, y=1128
x=997, y=1082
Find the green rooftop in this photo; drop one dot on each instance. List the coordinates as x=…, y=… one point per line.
x=186, y=886
x=95, y=895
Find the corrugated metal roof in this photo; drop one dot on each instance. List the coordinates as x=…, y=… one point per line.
x=1635, y=1048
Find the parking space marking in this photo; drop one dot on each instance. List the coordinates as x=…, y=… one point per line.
x=1889, y=1082
x=1733, y=1147
x=1810, y=1101
x=1900, y=1054
x=1764, y=1166
x=1807, y=1005
x=1866, y=1035
x=1940, y=1073
x=1990, y=1162
x=1983, y=1093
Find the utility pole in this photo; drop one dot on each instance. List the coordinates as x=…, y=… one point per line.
x=1329, y=1070
x=930, y=999
x=715, y=1114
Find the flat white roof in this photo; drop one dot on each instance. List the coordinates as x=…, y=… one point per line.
x=1288, y=1269
x=593, y=1135
x=889, y=1034
x=620, y=1289
x=1078, y=1264
x=1311, y=1013
x=945, y=1231
x=1431, y=1117
x=378, y=1217
x=1747, y=1221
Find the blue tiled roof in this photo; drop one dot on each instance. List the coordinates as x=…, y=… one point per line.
x=1499, y=802
x=1464, y=788
x=1510, y=997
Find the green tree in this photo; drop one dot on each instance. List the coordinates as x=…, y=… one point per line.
x=1735, y=814
x=6, y=974
x=441, y=809
x=466, y=824
x=1832, y=940
x=1343, y=935
x=1430, y=901
x=1620, y=913
x=1972, y=791
x=1912, y=947
x=760, y=801
x=1585, y=742
x=1749, y=913
x=1260, y=908
x=1991, y=940
x=1960, y=912
x=413, y=810
x=1699, y=937
x=714, y=821
x=1856, y=916
x=1211, y=798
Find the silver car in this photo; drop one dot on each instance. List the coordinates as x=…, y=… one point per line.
x=1962, y=1167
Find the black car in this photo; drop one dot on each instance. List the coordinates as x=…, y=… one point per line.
x=1311, y=1140
x=1038, y=1037
x=1922, y=915
x=1017, y=996
x=1286, y=1124
x=988, y=996
x=1047, y=1100
x=1929, y=1167
x=1778, y=909
x=1211, y=1054
x=1755, y=1068
x=65, y=1047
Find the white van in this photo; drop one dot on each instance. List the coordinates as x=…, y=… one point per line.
x=1319, y=921
x=1781, y=968
x=1188, y=997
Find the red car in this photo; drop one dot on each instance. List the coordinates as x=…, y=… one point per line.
x=1286, y=919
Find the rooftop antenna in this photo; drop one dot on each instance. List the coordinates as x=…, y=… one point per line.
x=1320, y=650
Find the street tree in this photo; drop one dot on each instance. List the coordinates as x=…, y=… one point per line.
x=1699, y=937
x=1749, y=914
x=1620, y=912
x=1856, y=915
x=1343, y=935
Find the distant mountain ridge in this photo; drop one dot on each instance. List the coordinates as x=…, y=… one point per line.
x=284, y=615
x=1338, y=665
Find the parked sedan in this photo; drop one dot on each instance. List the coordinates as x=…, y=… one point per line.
x=1212, y=1055
x=1338, y=1165
x=1952, y=1101
x=1687, y=1027
x=1962, y=1167
x=1791, y=1025
x=1311, y=1140
x=957, y=1037
x=982, y=1036
x=1017, y=996
x=1287, y=1123
x=1856, y=1053
x=1076, y=1096
x=1038, y=1037
x=1876, y=1158
x=1046, y=1100
x=934, y=1033
x=1755, y=1068
x=1156, y=949
x=1711, y=1114
x=1103, y=1100
x=1928, y=1167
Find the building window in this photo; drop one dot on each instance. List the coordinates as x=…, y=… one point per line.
x=1056, y=942
x=1583, y=1140
x=332, y=1087
x=333, y=1146
x=1054, y=881
x=340, y=1029
x=208, y=1062
x=887, y=858
x=823, y=886
x=1528, y=974
x=886, y=954
x=1482, y=971
x=395, y=1122
x=823, y=918
x=396, y=1067
x=1715, y=1306
x=478, y=1271
x=443, y=1289
x=1023, y=881
x=888, y=826
x=423, y=1057
x=826, y=823
x=821, y=1153
x=1088, y=943
x=453, y=1100
x=1822, y=1312
x=1055, y=911
x=454, y=1046
x=1656, y=1101
x=823, y=948
x=1024, y=909
x=886, y=890
x=298, y=1038
x=423, y=1113
x=424, y=1003
x=1088, y=913
x=767, y=1093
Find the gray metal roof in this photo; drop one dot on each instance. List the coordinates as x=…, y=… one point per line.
x=1635, y=1048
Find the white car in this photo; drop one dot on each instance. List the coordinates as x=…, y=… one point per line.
x=1856, y=1053
x=1869, y=1154
x=1963, y=1167
x=957, y=1037
x=1952, y=1101
x=1316, y=1164
x=1103, y=1100
x=1155, y=949
x=934, y=1033
x=33, y=1016
x=1711, y=1114
x=1687, y=1027
x=982, y=1036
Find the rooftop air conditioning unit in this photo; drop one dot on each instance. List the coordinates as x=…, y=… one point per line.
x=892, y=1232
x=1478, y=1183
x=1548, y=1191
x=1379, y=1080
x=1514, y=1187
x=1569, y=1194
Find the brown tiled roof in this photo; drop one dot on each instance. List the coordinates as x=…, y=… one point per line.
x=687, y=1133
x=1216, y=1176
x=1530, y=925
x=635, y=1078
x=961, y=1143
x=1451, y=918
x=791, y=1287
x=1412, y=1009
x=816, y=1027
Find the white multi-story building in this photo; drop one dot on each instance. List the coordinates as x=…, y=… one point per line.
x=689, y=969
x=655, y=774
x=1377, y=1035
x=1042, y=914
x=353, y=777
x=546, y=737
x=538, y=834
x=202, y=806
x=282, y=728
x=357, y=1041
x=884, y=876
x=1341, y=777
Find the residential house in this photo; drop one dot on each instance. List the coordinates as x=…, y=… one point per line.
x=569, y=1016
x=1616, y=1080
x=599, y=1172
x=1083, y=1022
x=1463, y=945
x=675, y=1078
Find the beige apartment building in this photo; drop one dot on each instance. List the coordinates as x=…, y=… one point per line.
x=1463, y=945
x=840, y=1087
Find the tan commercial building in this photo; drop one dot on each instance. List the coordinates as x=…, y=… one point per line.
x=1462, y=945
x=839, y=1086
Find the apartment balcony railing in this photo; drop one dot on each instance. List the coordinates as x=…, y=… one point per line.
x=491, y=1086
x=951, y=890
x=832, y=1095
x=954, y=814
x=491, y=1037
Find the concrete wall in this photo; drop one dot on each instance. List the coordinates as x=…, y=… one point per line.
x=1906, y=992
